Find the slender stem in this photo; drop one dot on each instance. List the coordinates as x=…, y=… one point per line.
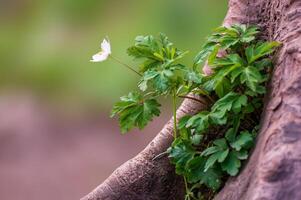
x=186, y=187
x=192, y=98
x=174, y=110
x=160, y=155
x=126, y=65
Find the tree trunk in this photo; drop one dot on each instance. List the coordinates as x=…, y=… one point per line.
x=274, y=168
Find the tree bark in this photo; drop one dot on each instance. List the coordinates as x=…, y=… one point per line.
x=274, y=169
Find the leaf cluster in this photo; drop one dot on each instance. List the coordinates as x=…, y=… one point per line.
x=161, y=74
x=214, y=142
x=210, y=145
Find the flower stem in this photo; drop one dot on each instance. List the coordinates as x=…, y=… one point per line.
x=174, y=110
x=126, y=65
x=186, y=188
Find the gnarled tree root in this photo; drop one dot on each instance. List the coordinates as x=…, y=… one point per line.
x=273, y=171
x=147, y=176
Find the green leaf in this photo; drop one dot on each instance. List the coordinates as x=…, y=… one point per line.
x=219, y=152
x=219, y=82
x=225, y=103
x=221, y=143
x=147, y=76
x=180, y=153
x=248, y=35
x=242, y=155
x=196, y=139
x=212, y=55
x=211, y=178
x=262, y=64
x=230, y=59
x=219, y=156
x=255, y=52
x=156, y=53
x=183, y=121
x=228, y=41
x=185, y=133
x=222, y=87
x=243, y=140
x=211, y=161
x=223, y=155
x=235, y=73
x=230, y=102
x=210, y=150
x=160, y=80
x=207, y=48
x=251, y=76
x=230, y=135
x=134, y=111
x=219, y=117
x=238, y=103
x=194, y=77
x=200, y=121
x=231, y=164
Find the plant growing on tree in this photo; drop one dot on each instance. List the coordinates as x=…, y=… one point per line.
x=210, y=146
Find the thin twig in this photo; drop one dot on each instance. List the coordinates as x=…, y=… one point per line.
x=160, y=155
x=126, y=65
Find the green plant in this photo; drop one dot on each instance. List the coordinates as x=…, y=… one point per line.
x=211, y=145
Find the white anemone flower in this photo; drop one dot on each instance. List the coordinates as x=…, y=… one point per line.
x=104, y=53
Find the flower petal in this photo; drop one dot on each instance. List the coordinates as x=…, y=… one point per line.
x=106, y=46
x=99, y=57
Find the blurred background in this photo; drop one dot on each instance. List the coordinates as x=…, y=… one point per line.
x=56, y=138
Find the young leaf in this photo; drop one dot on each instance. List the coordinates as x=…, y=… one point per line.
x=156, y=52
x=219, y=82
x=251, y=76
x=225, y=104
x=248, y=35
x=230, y=59
x=255, y=52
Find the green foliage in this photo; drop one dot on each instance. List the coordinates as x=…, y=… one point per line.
x=197, y=174
x=227, y=38
x=240, y=66
x=134, y=110
x=180, y=153
x=159, y=66
x=210, y=145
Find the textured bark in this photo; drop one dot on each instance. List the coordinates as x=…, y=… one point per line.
x=274, y=169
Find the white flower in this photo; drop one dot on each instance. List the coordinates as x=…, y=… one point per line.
x=104, y=53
